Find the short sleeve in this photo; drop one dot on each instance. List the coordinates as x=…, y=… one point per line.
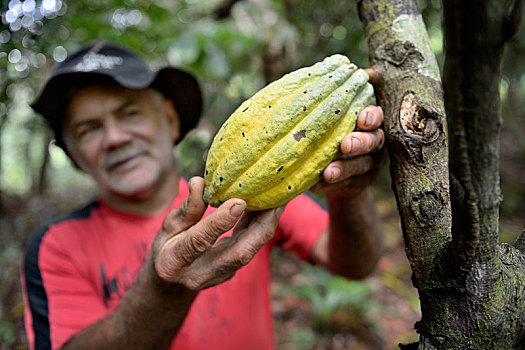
x=60, y=302
x=300, y=226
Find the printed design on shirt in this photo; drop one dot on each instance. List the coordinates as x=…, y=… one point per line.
x=114, y=287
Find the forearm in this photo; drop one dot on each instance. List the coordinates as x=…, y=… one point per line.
x=354, y=243
x=148, y=317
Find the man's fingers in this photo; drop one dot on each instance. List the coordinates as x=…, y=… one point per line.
x=250, y=239
x=190, y=211
x=350, y=186
x=245, y=220
x=192, y=243
x=344, y=168
x=370, y=118
x=220, y=260
x=340, y=173
x=362, y=142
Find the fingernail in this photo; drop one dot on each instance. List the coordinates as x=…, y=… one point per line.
x=237, y=209
x=334, y=174
x=355, y=145
x=279, y=211
x=368, y=119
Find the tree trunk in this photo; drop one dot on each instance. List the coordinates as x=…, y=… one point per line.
x=471, y=288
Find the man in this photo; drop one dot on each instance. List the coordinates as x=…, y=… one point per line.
x=148, y=265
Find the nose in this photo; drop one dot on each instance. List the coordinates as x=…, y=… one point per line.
x=115, y=134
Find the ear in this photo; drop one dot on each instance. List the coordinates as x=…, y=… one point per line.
x=173, y=119
x=71, y=157
x=68, y=148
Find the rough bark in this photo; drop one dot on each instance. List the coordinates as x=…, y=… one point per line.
x=471, y=288
x=410, y=92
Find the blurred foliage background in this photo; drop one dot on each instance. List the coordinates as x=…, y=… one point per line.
x=235, y=48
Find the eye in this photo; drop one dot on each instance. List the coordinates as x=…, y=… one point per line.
x=130, y=112
x=86, y=129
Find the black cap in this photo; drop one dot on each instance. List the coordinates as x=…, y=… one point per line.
x=105, y=62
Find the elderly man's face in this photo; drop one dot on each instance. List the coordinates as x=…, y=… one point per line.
x=123, y=138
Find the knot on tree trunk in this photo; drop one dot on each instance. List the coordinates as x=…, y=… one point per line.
x=418, y=127
x=416, y=121
x=427, y=207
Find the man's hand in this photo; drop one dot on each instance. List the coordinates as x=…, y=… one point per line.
x=363, y=157
x=188, y=251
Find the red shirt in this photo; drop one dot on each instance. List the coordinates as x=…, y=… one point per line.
x=77, y=269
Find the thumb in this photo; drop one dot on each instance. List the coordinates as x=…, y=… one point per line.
x=199, y=238
x=190, y=211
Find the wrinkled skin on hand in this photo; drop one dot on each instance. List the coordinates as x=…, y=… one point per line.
x=188, y=251
x=363, y=157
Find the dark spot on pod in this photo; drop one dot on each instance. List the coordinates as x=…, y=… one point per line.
x=304, y=92
x=240, y=185
x=220, y=139
x=337, y=111
x=309, y=74
x=299, y=135
x=346, y=90
x=282, y=178
x=289, y=187
x=304, y=108
x=269, y=106
x=245, y=109
x=243, y=134
x=206, y=172
x=355, y=113
x=330, y=76
x=280, y=168
x=221, y=179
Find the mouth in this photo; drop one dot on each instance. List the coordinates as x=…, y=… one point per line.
x=123, y=163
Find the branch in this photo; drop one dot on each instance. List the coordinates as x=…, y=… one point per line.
x=465, y=224
x=407, y=84
x=474, y=49
x=375, y=74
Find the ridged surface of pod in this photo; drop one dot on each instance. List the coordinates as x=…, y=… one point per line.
x=277, y=143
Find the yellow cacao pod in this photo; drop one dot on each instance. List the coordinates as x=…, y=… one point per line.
x=277, y=143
